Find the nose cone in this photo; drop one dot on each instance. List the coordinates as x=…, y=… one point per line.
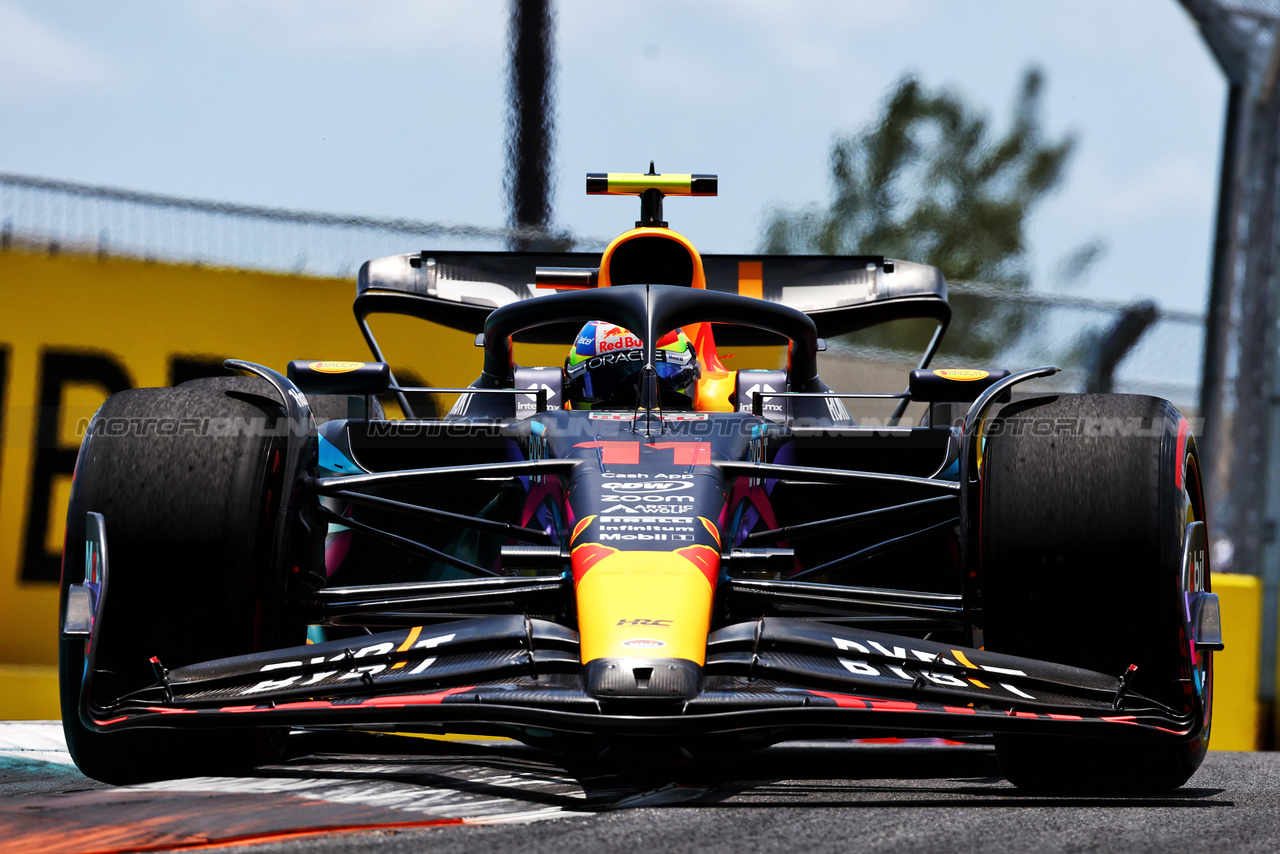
x=645, y=604
x=643, y=618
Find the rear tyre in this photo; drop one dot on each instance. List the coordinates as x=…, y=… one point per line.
x=1085, y=502
x=189, y=524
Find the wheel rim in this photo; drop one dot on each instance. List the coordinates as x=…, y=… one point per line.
x=1199, y=662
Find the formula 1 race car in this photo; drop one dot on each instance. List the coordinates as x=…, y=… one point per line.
x=640, y=548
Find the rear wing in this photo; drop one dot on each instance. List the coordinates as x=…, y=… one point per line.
x=841, y=293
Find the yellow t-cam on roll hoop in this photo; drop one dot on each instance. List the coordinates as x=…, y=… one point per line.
x=650, y=187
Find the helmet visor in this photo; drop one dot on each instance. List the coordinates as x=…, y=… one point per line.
x=606, y=381
x=612, y=380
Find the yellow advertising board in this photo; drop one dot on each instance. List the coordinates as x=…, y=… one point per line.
x=74, y=329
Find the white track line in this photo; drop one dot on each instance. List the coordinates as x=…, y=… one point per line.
x=39, y=740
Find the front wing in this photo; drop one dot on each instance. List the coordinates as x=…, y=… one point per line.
x=770, y=676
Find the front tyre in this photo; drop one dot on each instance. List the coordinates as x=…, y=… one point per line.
x=188, y=482
x=1085, y=502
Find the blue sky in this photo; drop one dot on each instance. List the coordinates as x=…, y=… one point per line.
x=397, y=108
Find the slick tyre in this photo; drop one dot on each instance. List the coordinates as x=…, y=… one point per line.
x=190, y=513
x=324, y=407
x=1085, y=500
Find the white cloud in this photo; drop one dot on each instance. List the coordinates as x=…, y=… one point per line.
x=1170, y=185
x=824, y=36
x=314, y=27
x=37, y=62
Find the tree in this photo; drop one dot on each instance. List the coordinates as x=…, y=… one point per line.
x=928, y=181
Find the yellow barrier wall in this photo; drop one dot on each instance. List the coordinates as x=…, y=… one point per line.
x=75, y=328
x=1236, y=714
x=29, y=692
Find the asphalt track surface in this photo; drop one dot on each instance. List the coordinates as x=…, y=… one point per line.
x=382, y=793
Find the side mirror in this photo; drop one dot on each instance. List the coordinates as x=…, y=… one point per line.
x=952, y=385
x=340, y=377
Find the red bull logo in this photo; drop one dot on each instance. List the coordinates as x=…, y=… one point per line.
x=611, y=338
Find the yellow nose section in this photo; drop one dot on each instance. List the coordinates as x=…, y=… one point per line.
x=639, y=604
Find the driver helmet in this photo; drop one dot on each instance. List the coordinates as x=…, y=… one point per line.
x=605, y=364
